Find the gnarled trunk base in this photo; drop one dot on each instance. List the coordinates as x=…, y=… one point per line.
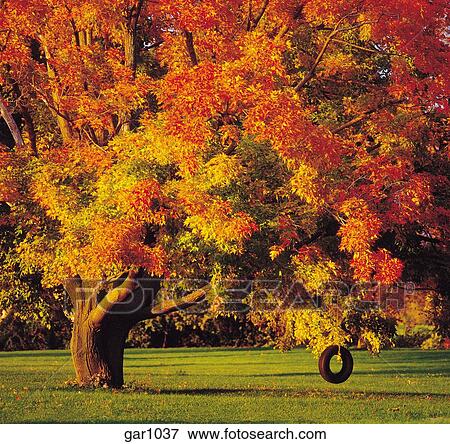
x=103, y=320
x=97, y=354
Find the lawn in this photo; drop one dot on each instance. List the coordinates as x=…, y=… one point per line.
x=220, y=385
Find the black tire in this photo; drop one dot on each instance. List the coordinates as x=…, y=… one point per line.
x=324, y=364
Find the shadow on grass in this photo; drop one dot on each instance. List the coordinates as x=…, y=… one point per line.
x=301, y=393
x=345, y=393
x=35, y=354
x=432, y=371
x=197, y=350
x=179, y=355
x=129, y=364
x=405, y=372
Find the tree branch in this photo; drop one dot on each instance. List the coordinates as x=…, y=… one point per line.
x=190, y=47
x=72, y=287
x=118, y=294
x=12, y=125
x=282, y=32
x=63, y=120
x=26, y=115
x=249, y=17
x=260, y=15
x=137, y=15
x=336, y=30
x=365, y=114
x=353, y=45
x=47, y=103
x=172, y=305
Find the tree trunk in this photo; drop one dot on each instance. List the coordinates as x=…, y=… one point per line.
x=97, y=347
x=104, y=313
x=130, y=62
x=62, y=118
x=97, y=354
x=130, y=49
x=12, y=125
x=26, y=115
x=29, y=125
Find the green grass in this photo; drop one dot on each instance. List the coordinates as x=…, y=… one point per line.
x=230, y=386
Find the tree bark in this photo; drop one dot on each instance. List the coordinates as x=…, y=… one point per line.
x=101, y=326
x=12, y=125
x=130, y=48
x=62, y=118
x=189, y=38
x=103, y=319
x=26, y=114
x=97, y=354
x=29, y=125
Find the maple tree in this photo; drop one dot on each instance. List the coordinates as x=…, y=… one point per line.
x=223, y=140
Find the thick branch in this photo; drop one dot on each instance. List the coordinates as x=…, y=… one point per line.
x=49, y=105
x=117, y=295
x=260, y=15
x=190, y=47
x=62, y=119
x=249, y=17
x=29, y=125
x=353, y=45
x=72, y=286
x=172, y=305
x=28, y=119
x=12, y=125
x=282, y=32
x=139, y=6
x=131, y=35
x=365, y=114
x=329, y=228
x=310, y=74
x=319, y=57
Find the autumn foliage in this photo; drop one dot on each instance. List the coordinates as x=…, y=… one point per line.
x=300, y=139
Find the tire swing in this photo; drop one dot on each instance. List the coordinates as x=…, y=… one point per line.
x=325, y=360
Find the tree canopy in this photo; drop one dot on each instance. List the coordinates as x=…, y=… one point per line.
x=294, y=139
